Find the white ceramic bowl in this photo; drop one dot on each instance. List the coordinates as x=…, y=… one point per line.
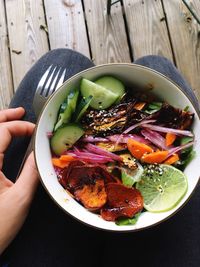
x=134, y=76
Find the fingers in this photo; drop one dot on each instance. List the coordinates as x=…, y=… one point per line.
x=11, y=114
x=4, y=183
x=28, y=179
x=13, y=128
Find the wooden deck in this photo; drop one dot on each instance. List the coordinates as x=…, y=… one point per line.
x=29, y=28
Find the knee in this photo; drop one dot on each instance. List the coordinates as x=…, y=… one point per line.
x=150, y=60
x=61, y=52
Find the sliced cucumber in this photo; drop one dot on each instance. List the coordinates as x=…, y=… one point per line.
x=67, y=108
x=82, y=107
x=64, y=117
x=102, y=98
x=72, y=98
x=65, y=137
x=63, y=107
x=112, y=84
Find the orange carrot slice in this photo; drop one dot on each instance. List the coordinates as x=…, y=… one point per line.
x=139, y=105
x=155, y=157
x=63, y=161
x=169, y=139
x=172, y=159
x=59, y=163
x=67, y=158
x=138, y=149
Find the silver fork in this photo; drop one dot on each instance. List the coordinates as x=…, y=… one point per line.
x=48, y=84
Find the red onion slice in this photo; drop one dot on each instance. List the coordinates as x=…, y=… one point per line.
x=90, y=157
x=49, y=134
x=100, y=151
x=92, y=139
x=137, y=125
x=123, y=138
x=179, y=148
x=155, y=138
x=167, y=130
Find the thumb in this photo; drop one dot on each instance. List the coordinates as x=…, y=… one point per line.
x=29, y=177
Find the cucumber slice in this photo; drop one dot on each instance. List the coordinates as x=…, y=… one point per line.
x=67, y=108
x=102, y=98
x=72, y=98
x=112, y=84
x=65, y=137
x=82, y=107
x=63, y=107
x=64, y=117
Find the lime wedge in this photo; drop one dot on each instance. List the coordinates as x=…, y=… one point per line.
x=162, y=187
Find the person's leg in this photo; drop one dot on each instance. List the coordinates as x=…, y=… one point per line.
x=74, y=62
x=166, y=67
x=49, y=237
x=173, y=243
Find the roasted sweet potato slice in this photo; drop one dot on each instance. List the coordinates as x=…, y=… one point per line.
x=63, y=174
x=92, y=196
x=122, y=201
x=108, y=177
x=77, y=174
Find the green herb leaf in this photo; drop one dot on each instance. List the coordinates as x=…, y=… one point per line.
x=186, y=139
x=128, y=221
x=153, y=107
x=182, y=163
x=186, y=108
x=185, y=152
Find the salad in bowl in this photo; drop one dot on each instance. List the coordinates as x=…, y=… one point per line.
x=119, y=152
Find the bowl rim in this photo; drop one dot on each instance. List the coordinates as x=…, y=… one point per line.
x=197, y=110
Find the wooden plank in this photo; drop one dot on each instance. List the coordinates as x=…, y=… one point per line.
x=6, y=86
x=28, y=40
x=184, y=32
x=107, y=34
x=66, y=25
x=147, y=28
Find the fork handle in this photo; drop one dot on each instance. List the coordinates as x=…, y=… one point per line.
x=28, y=151
x=38, y=104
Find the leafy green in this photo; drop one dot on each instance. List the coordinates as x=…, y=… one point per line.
x=186, y=108
x=186, y=155
x=185, y=140
x=153, y=107
x=128, y=221
x=184, y=161
x=129, y=177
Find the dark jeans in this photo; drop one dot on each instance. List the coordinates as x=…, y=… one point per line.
x=49, y=237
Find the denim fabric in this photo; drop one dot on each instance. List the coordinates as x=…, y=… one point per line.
x=166, y=67
x=50, y=237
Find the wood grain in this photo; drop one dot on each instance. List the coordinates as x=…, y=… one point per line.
x=66, y=25
x=147, y=28
x=6, y=86
x=107, y=34
x=28, y=40
x=185, y=34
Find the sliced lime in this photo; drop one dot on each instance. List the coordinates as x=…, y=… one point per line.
x=162, y=187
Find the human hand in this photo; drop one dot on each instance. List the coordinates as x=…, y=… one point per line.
x=15, y=198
